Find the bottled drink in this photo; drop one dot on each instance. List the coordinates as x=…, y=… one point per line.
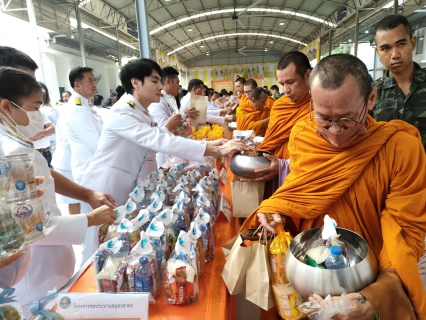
x=179, y=225
x=335, y=260
x=144, y=281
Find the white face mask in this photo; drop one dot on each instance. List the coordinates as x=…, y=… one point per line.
x=35, y=123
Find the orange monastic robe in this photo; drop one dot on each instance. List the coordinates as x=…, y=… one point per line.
x=243, y=107
x=253, y=120
x=284, y=115
x=377, y=188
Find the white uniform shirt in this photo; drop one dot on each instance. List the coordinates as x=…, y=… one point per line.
x=161, y=113
x=44, y=142
x=212, y=116
x=62, y=158
x=102, y=112
x=53, y=115
x=51, y=260
x=126, y=155
x=82, y=127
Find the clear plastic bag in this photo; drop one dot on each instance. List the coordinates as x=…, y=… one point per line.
x=327, y=308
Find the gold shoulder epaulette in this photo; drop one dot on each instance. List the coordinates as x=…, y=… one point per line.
x=162, y=94
x=77, y=101
x=132, y=104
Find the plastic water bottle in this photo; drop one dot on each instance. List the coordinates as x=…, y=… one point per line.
x=143, y=277
x=335, y=260
x=204, y=236
x=179, y=225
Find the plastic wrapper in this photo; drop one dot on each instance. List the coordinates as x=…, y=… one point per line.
x=184, y=130
x=327, y=308
x=287, y=301
x=277, y=251
x=111, y=231
x=166, y=217
x=181, y=281
x=18, y=192
x=9, y=309
x=198, y=253
x=138, y=223
x=207, y=235
x=40, y=311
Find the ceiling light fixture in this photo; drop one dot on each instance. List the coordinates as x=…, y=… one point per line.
x=261, y=10
x=350, y=40
x=190, y=29
x=281, y=22
x=271, y=41
x=234, y=35
x=207, y=54
x=202, y=46
x=366, y=31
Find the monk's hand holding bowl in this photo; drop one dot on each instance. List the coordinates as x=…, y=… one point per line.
x=272, y=171
x=363, y=310
x=269, y=221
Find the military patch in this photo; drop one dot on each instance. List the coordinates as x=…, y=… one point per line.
x=162, y=94
x=132, y=104
x=77, y=101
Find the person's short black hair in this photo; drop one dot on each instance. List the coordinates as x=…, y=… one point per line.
x=137, y=69
x=332, y=71
x=97, y=99
x=194, y=83
x=393, y=21
x=77, y=74
x=67, y=92
x=220, y=95
x=168, y=72
x=11, y=57
x=275, y=87
x=231, y=93
x=240, y=80
x=251, y=83
x=299, y=59
x=224, y=91
x=46, y=95
x=16, y=85
x=256, y=93
x=265, y=87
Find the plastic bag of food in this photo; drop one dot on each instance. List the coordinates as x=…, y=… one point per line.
x=325, y=309
x=110, y=265
x=9, y=309
x=166, y=217
x=111, y=231
x=156, y=233
x=198, y=253
x=184, y=130
x=39, y=311
x=203, y=221
x=287, y=301
x=138, y=222
x=277, y=251
x=181, y=281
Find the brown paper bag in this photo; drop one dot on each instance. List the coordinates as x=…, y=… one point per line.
x=199, y=103
x=258, y=287
x=237, y=259
x=246, y=197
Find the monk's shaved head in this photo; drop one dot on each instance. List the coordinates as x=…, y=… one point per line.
x=251, y=83
x=331, y=72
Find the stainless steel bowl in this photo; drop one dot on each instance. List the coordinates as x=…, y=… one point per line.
x=232, y=126
x=308, y=280
x=244, y=166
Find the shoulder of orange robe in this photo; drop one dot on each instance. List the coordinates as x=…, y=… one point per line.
x=253, y=120
x=283, y=116
x=317, y=166
x=37, y=307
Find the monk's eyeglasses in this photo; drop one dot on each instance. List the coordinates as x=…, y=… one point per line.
x=346, y=123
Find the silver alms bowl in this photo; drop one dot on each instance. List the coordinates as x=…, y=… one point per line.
x=308, y=280
x=244, y=166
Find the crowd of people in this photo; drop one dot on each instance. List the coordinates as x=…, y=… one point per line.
x=339, y=143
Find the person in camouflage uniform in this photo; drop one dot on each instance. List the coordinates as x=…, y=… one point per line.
x=401, y=92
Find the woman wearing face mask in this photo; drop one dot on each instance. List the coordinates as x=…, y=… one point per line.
x=50, y=261
x=130, y=140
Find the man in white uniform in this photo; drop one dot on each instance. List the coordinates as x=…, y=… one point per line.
x=163, y=110
x=42, y=139
x=196, y=87
x=81, y=124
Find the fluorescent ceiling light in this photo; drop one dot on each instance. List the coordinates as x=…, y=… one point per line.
x=390, y=4
x=236, y=34
x=271, y=41
x=190, y=29
x=73, y=24
x=262, y=10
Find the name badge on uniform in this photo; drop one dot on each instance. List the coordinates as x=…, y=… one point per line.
x=132, y=104
x=77, y=101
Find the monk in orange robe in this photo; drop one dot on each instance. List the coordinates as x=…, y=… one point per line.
x=369, y=176
x=258, y=119
x=245, y=106
x=293, y=74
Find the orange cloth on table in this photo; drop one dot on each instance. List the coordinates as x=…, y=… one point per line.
x=376, y=188
x=284, y=115
x=253, y=120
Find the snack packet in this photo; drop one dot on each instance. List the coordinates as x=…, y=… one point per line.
x=166, y=217
x=203, y=222
x=156, y=233
x=277, y=251
x=198, y=254
x=9, y=309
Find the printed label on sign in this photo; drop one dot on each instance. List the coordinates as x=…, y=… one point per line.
x=90, y=306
